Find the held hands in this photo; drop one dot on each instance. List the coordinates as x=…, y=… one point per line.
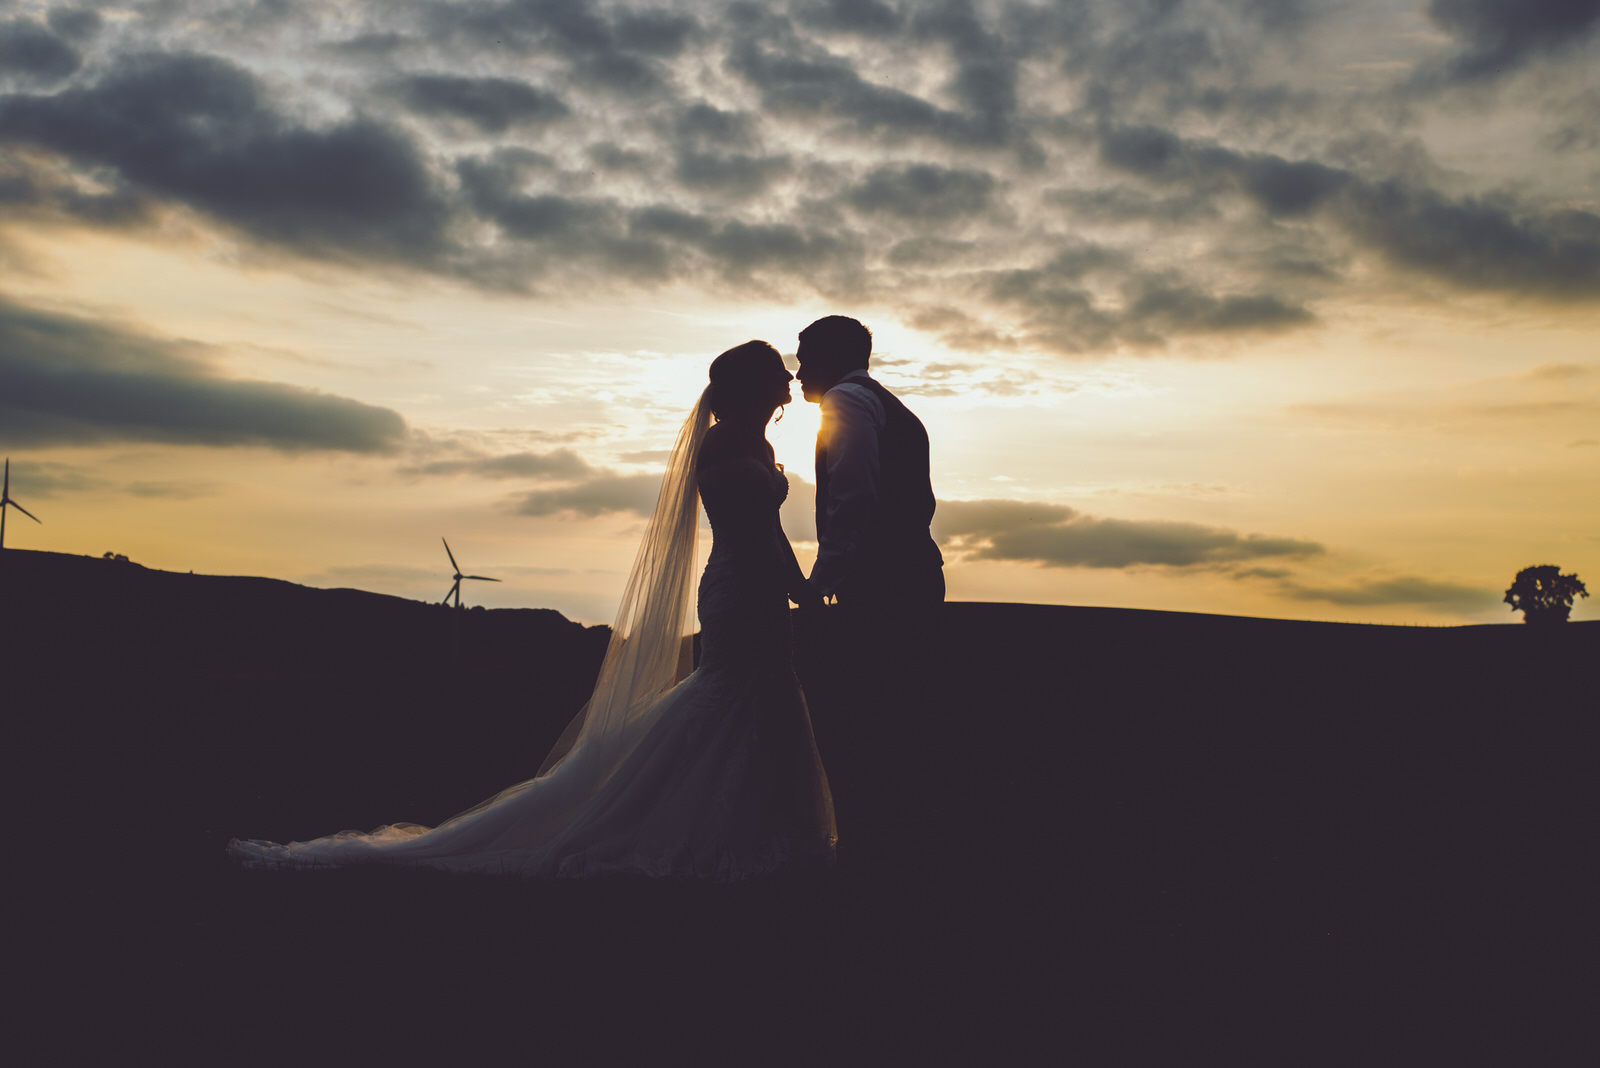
x=806, y=596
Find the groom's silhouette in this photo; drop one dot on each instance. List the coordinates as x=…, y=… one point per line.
x=874, y=494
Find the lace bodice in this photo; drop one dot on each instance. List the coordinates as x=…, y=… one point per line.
x=744, y=601
x=741, y=497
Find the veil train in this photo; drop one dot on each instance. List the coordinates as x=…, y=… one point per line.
x=648, y=656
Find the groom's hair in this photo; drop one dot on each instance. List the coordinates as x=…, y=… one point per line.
x=845, y=344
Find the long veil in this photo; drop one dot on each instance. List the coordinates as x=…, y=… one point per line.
x=651, y=640
x=649, y=654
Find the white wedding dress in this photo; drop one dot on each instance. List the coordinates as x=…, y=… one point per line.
x=714, y=776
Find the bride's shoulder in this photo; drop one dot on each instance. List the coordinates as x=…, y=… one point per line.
x=717, y=447
x=722, y=446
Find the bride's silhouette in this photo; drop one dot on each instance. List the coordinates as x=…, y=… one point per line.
x=712, y=775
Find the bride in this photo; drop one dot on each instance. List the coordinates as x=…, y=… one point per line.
x=712, y=774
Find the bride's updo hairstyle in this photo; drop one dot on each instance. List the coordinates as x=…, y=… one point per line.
x=740, y=377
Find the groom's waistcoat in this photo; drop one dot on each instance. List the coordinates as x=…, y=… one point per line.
x=896, y=539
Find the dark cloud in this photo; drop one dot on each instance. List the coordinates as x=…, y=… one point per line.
x=1054, y=535
x=1118, y=175
x=615, y=50
x=75, y=23
x=735, y=174
x=34, y=188
x=68, y=381
x=1499, y=36
x=924, y=193
x=1480, y=244
x=557, y=464
x=1052, y=308
x=202, y=131
x=173, y=490
x=1291, y=188
x=1402, y=590
x=36, y=478
x=1477, y=243
x=799, y=78
x=618, y=159
x=370, y=45
x=32, y=51
x=1162, y=308
x=493, y=105
x=718, y=152
x=869, y=18
x=602, y=493
x=1120, y=204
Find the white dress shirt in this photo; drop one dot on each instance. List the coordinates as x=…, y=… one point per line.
x=852, y=419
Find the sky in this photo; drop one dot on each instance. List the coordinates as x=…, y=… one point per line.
x=1263, y=307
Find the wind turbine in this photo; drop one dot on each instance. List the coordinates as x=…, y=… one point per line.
x=7, y=502
x=455, y=591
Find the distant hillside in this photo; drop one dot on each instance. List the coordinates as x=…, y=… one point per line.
x=303, y=710
x=217, y=624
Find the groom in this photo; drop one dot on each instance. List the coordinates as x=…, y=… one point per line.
x=874, y=494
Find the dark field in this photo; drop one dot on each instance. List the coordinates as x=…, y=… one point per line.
x=1068, y=835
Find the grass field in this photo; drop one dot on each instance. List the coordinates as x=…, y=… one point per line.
x=1067, y=836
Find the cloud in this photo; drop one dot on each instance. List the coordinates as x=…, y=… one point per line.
x=718, y=152
x=960, y=163
x=1400, y=590
x=66, y=380
x=202, y=130
x=1052, y=308
x=492, y=105
x=1499, y=36
x=43, y=478
x=924, y=193
x=30, y=50
x=1055, y=535
x=602, y=493
x=173, y=490
x=1480, y=243
x=799, y=78
x=75, y=23
x=618, y=51
x=557, y=464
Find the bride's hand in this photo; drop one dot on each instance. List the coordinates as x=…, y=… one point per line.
x=806, y=596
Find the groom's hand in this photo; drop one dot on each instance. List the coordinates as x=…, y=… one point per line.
x=807, y=597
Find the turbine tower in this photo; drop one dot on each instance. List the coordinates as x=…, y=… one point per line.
x=455, y=591
x=7, y=502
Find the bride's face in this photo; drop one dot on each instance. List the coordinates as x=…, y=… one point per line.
x=780, y=379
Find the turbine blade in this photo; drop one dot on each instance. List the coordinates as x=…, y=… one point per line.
x=452, y=557
x=24, y=511
x=452, y=592
x=480, y=578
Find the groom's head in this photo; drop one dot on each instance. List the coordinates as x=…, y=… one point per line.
x=831, y=348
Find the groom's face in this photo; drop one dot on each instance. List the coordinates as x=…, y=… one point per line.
x=815, y=375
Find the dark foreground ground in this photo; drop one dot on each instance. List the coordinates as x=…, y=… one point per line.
x=1085, y=836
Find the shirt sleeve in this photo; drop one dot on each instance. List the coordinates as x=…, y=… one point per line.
x=851, y=420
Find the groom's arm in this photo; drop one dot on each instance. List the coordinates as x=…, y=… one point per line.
x=851, y=419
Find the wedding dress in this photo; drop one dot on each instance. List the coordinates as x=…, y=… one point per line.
x=714, y=776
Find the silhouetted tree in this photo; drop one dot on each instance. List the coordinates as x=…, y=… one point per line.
x=1543, y=594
